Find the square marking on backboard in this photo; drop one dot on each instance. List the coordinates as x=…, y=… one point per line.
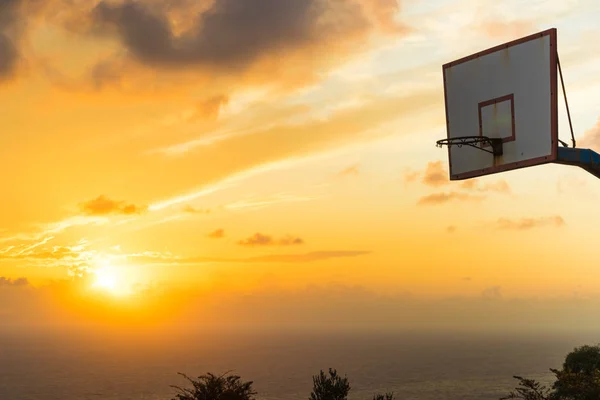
x=497, y=118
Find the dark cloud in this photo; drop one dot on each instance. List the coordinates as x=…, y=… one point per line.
x=7, y=282
x=233, y=34
x=529, y=223
x=290, y=241
x=102, y=206
x=259, y=239
x=9, y=54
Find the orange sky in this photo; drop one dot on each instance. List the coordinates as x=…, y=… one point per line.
x=263, y=147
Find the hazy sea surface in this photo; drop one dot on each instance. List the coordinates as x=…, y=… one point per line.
x=81, y=365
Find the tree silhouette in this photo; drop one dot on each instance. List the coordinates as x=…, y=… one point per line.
x=387, y=396
x=212, y=387
x=332, y=387
x=579, y=379
x=529, y=389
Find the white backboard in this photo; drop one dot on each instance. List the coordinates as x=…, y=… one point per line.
x=508, y=92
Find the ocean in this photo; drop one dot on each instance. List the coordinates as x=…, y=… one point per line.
x=81, y=365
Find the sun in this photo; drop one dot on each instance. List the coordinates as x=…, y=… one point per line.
x=110, y=279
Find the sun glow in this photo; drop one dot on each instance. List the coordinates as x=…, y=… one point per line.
x=111, y=279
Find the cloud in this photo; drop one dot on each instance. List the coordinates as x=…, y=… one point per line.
x=259, y=239
x=352, y=170
x=287, y=144
x=290, y=241
x=7, y=282
x=442, y=198
x=573, y=184
x=56, y=253
x=231, y=33
x=410, y=176
x=9, y=34
x=493, y=293
x=76, y=258
x=451, y=229
x=529, y=223
x=591, y=138
x=218, y=234
x=500, y=186
x=210, y=108
x=268, y=201
x=435, y=175
x=498, y=29
x=305, y=258
x=102, y=206
x=271, y=258
x=192, y=210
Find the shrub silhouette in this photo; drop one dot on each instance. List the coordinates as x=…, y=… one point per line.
x=332, y=387
x=387, y=396
x=212, y=387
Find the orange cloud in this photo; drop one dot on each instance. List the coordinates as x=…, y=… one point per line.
x=411, y=176
x=218, y=234
x=442, y=198
x=435, y=175
x=529, y=223
x=473, y=184
x=258, y=239
x=210, y=108
x=102, y=206
x=352, y=170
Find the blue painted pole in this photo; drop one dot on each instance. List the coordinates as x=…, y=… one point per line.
x=587, y=159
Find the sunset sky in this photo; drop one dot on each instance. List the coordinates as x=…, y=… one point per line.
x=276, y=148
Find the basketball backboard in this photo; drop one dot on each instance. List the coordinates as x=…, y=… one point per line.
x=508, y=92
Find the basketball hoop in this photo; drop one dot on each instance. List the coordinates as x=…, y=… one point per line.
x=477, y=142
